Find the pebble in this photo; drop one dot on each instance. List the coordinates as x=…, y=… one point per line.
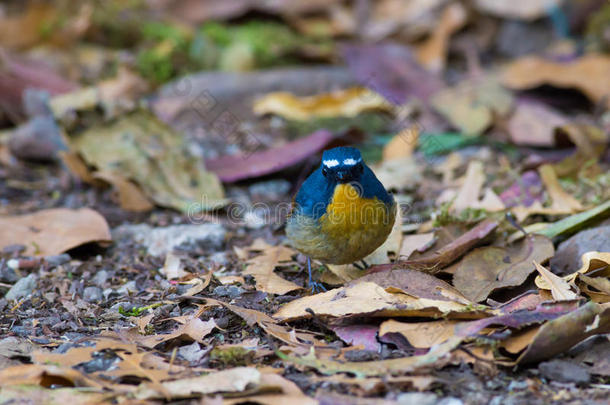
x=58, y=260
x=564, y=371
x=230, y=291
x=22, y=288
x=128, y=287
x=417, y=398
x=516, y=385
x=220, y=258
x=162, y=240
x=100, y=278
x=92, y=294
x=7, y=273
x=272, y=190
x=450, y=401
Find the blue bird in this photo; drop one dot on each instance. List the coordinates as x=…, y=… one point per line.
x=341, y=213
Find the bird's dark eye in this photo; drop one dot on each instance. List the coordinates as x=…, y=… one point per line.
x=324, y=171
x=360, y=169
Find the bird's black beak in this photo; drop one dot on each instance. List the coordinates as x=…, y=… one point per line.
x=343, y=176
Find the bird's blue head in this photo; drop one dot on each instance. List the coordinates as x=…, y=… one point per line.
x=342, y=165
x=339, y=166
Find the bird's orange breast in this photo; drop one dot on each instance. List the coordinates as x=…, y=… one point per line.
x=348, y=213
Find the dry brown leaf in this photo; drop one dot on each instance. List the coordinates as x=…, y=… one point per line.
x=591, y=261
x=130, y=197
x=558, y=335
x=438, y=258
x=198, y=285
x=270, y=399
x=270, y=325
x=172, y=267
x=231, y=380
x=436, y=357
x=534, y=124
x=349, y=102
x=589, y=74
x=365, y=299
x=561, y=202
x=468, y=194
x=519, y=341
x=398, y=174
x=261, y=268
x=45, y=375
x=560, y=288
x=193, y=327
x=488, y=268
x=600, y=283
x=402, y=144
x=53, y=231
x=420, y=334
x=432, y=53
x=420, y=242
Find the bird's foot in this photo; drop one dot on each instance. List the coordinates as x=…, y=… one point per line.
x=362, y=265
x=316, y=287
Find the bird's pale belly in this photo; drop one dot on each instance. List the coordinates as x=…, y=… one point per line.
x=351, y=229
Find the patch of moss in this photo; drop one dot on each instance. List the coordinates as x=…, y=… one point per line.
x=232, y=356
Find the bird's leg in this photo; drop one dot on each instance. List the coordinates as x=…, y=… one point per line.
x=313, y=285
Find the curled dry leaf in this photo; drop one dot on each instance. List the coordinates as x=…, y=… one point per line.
x=589, y=74
x=597, y=263
x=560, y=334
x=560, y=289
x=54, y=231
x=437, y=259
x=489, y=268
x=348, y=103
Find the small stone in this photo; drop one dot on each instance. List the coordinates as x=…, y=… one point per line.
x=22, y=288
x=163, y=240
x=564, y=371
x=450, y=401
x=417, y=398
x=100, y=278
x=92, y=294
x=230, y=291
x=272, y=190
x=128, y=287
x=192, y=353
x=220, y=258
x=517, y=385
x=8, y=273
x=58, y=260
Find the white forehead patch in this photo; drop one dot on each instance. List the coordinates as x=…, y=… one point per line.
x=331, y=163
x=350, y=161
